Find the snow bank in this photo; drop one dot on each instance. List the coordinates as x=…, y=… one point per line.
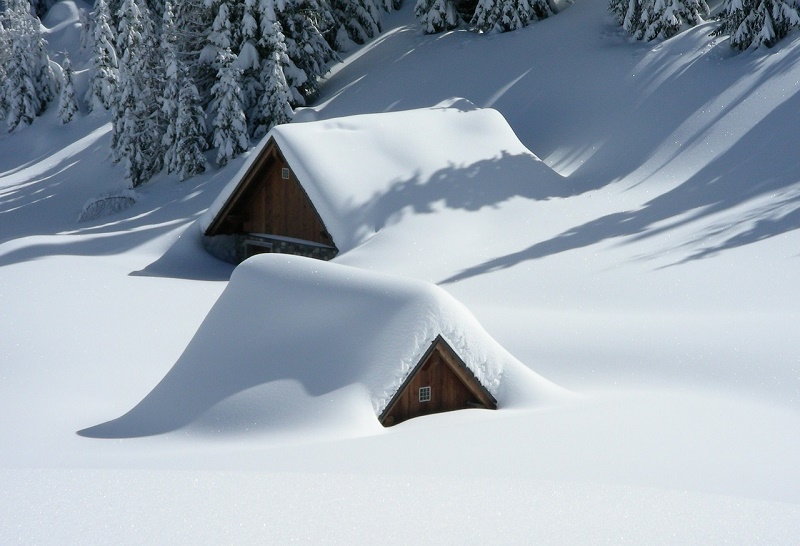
x=298, y=342
x=366, y=171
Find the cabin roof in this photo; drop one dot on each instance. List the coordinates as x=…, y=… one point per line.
x=341, y=325
x=358, y=171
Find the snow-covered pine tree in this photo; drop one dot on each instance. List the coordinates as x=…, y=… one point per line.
x=136, y=137
x=225, y=29
x=249, y=57
x=67, y=104
x=752, y=23
x=229, y=125
x=651, y=19
x=20, y=93
x=390, y=5
x=436, y=15
x=168, y=100
x=30, y=82
x=303, y=23
x=665, y=18
x=191, y=130
x=193, y=20
x=506, y=15
x=105, y=69
x=273, y=107
x=631, y=15
x=356, y=20
x=5, y=56
x=45, y=79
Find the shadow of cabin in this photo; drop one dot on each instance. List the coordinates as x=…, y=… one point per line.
x=440, y=382
x=269, y=211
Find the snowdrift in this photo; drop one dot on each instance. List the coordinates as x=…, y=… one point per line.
x=298, y=343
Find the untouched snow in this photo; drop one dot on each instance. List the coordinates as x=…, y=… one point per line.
x=657, y=281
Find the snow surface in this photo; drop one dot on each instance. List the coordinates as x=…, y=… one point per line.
x=657, y=282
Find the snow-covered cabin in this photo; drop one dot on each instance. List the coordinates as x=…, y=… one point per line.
x=318, y=188
x=295, y=343
x=440, y=381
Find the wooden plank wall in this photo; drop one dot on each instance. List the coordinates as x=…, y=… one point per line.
x=281, y=207
x=448, y=392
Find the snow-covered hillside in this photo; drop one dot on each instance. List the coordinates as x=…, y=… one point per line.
x=654, y=276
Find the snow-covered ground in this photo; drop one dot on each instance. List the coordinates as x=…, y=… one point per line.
x=656, y=279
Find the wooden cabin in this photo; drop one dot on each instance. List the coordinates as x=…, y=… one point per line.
x=269, y=211
x=320, y=188
x=440, y=382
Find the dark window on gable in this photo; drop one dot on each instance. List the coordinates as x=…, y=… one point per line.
x=425, y=394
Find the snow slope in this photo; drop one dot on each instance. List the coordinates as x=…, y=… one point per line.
x=658, y=284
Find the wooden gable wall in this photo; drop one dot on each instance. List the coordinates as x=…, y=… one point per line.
x=265, y=202
x=452, y=387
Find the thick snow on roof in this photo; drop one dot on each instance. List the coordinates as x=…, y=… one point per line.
x=363, y=172
x=294, y=340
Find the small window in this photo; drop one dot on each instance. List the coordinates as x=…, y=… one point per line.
x=425, y=394
x=285, y=173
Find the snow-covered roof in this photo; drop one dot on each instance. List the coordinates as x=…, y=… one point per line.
x=361, y=171
x=293, y=339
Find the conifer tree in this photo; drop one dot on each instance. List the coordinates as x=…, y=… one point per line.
x=30, y=83
x=169, y=98
x=67, y=104
x=223, y=30
x=629, y=15
x=506, y=15
x=5, y=55
x=136, y=138
x=665, y=18
x=274, y=105
x=188, y=158
x=249, y=57
x=230, y=124
x=390, y=5
x=651, y=19
x=104, y=77
x=359, y=20
x=436, y=15
x=752, y=23
x=193, y=20
x=303, y=23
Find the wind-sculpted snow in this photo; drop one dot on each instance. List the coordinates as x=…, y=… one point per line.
x=295, y=342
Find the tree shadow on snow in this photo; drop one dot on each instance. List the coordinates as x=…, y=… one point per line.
x=40, y=203
x=762, y=165
x=485, y=183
